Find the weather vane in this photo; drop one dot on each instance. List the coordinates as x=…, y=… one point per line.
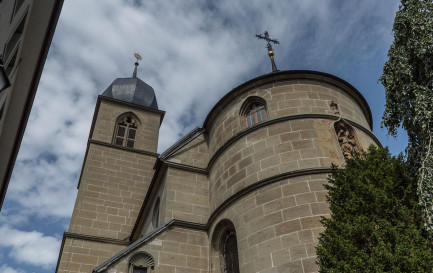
x=138, y=57
x=269, y=46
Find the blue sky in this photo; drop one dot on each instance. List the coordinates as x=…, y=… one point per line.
x=193, y=53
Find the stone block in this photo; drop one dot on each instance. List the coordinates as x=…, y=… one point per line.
x=305, y=198
x=298, y=252
x=297, y=212
x=288, y=227
x=295, y=188
x=310, y=265
x=311, y=222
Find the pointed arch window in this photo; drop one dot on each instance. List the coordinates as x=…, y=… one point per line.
x=126, y=130
x=254, y=111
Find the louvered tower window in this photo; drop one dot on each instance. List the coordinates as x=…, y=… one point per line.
x=126, y=131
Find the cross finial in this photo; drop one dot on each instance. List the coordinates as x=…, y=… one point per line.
x=138, y=57
x=269, y=46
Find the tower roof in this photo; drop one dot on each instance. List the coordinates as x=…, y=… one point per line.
x=132, y=90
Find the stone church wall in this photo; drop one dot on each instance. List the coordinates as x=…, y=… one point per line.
x=285, y=99
x=114, y=184
x=187, y=196
x=261, y=185
x=273, y=150
x=178, y=250
x=195, y=153
x=82, y=256
x=148, y=127
x=278, y=225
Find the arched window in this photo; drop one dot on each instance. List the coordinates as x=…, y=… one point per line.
x=141, y=262
x=126, y=130
x=224, y=248
x=254, y=111
x=229, y=251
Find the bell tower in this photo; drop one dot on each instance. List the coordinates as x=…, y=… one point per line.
x=116, y=174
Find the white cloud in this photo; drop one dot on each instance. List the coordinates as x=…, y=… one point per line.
x=7, y=269
x=30, y=247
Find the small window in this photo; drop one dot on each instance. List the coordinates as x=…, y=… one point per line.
x=254, y=111
x=126, y=131
x=139, y=270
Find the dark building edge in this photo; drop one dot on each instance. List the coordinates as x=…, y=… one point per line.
x=31, y=96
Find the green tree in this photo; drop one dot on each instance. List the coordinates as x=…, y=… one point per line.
x=375, y=221
x=408, y=81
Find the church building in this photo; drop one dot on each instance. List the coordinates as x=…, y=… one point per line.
x=243, y=193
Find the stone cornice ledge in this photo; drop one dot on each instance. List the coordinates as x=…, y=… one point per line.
x=96, y=238
x=266, y=123
x=260, y=184
x=111, y=145
x=186, y=167
x=73, y=235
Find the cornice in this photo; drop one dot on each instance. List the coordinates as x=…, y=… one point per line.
x=266, y=123
x=260, y=184
x=113, y=146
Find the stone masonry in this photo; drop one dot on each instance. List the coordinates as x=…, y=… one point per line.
x=262, y=185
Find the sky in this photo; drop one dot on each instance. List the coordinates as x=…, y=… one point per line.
x=193, y=53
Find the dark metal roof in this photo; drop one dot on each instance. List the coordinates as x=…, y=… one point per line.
x=132, y=90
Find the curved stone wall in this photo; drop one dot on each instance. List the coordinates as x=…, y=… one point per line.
x=277, y=226
x=288, y=98
x=268, y=179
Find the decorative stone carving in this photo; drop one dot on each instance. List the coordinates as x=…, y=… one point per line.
x=128, y=120
x=347, y=139
x=142, y=260
x=334, y=107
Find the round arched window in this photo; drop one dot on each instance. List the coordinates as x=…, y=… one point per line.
x=254, y=111
x=229, y=251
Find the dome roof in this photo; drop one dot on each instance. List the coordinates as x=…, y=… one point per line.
x=132, y=90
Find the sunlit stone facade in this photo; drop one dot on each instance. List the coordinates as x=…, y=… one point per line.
x=231, y=196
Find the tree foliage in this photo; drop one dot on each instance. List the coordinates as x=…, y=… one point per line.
x=408, y=81
x=375, y=219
